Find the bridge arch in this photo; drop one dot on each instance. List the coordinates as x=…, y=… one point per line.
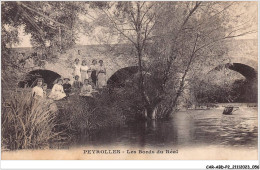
x=247, y=71
x=48, y=76
x=119, y=78
x=243, y=89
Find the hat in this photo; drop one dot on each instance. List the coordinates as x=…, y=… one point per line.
x=66, y=79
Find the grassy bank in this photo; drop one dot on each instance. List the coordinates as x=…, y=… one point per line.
x=37, y=124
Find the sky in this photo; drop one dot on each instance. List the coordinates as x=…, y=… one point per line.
x=249, y=10
x=25, y=39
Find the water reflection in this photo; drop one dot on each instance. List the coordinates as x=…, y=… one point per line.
x=190, y=128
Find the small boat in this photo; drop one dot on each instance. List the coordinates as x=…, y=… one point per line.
x=228, y=110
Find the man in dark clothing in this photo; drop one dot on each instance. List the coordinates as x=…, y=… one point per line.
x=67, y=86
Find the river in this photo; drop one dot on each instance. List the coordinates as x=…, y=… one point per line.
x=187, y=128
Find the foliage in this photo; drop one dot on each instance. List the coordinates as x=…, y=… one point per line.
x=229, y=87
x=28, y=123
x=53, y=23
x=86, y=114
x=52, y=26
x=173, y=42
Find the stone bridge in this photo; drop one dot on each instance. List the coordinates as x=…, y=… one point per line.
x=242, y=54
x=62, y=67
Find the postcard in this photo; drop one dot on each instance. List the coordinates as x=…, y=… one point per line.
x=130, y=80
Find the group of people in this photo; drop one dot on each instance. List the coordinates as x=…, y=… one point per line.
x=95, y=73
x=62, y=89
x=57, y=92
x=86, y=81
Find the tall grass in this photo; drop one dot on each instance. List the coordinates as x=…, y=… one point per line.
x=86, y=115
x=28, y=123
x=31, y=124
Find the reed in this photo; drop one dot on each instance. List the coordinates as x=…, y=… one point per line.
x=28, y=123
x=85, y=115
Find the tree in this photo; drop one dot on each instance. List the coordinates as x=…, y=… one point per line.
x=198, y=39
x=53, y=26
x=50, y=23
x=178, y=38
x=132, y=22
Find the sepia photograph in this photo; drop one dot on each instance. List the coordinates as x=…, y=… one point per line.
x=129, y=80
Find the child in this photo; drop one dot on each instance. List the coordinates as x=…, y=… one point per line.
x=67, y=86
x=90, y=82
x=57, y=91
x=76, y=84
x=37, y=91
x=86, y=89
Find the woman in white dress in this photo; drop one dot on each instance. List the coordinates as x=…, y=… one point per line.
x=84, y=70
x=101, y=75
x=37, y=91
x=57, y=92
x=77, y=67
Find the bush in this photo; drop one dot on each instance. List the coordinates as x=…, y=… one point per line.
x=89, y=114
x=28, y=123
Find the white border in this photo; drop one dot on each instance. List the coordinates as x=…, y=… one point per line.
x=173, y=164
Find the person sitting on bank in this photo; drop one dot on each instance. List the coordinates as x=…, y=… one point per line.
x=57, y=92
x=67, y=86
x=86, y=89
x=76, y=84
x=37, y=91
x=94, y=87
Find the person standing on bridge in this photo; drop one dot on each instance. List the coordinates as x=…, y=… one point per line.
x=93, y=69
x=77, y=67
x=101, y=75
x=84, y=70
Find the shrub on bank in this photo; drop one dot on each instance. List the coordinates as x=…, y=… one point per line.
x=88, y=114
